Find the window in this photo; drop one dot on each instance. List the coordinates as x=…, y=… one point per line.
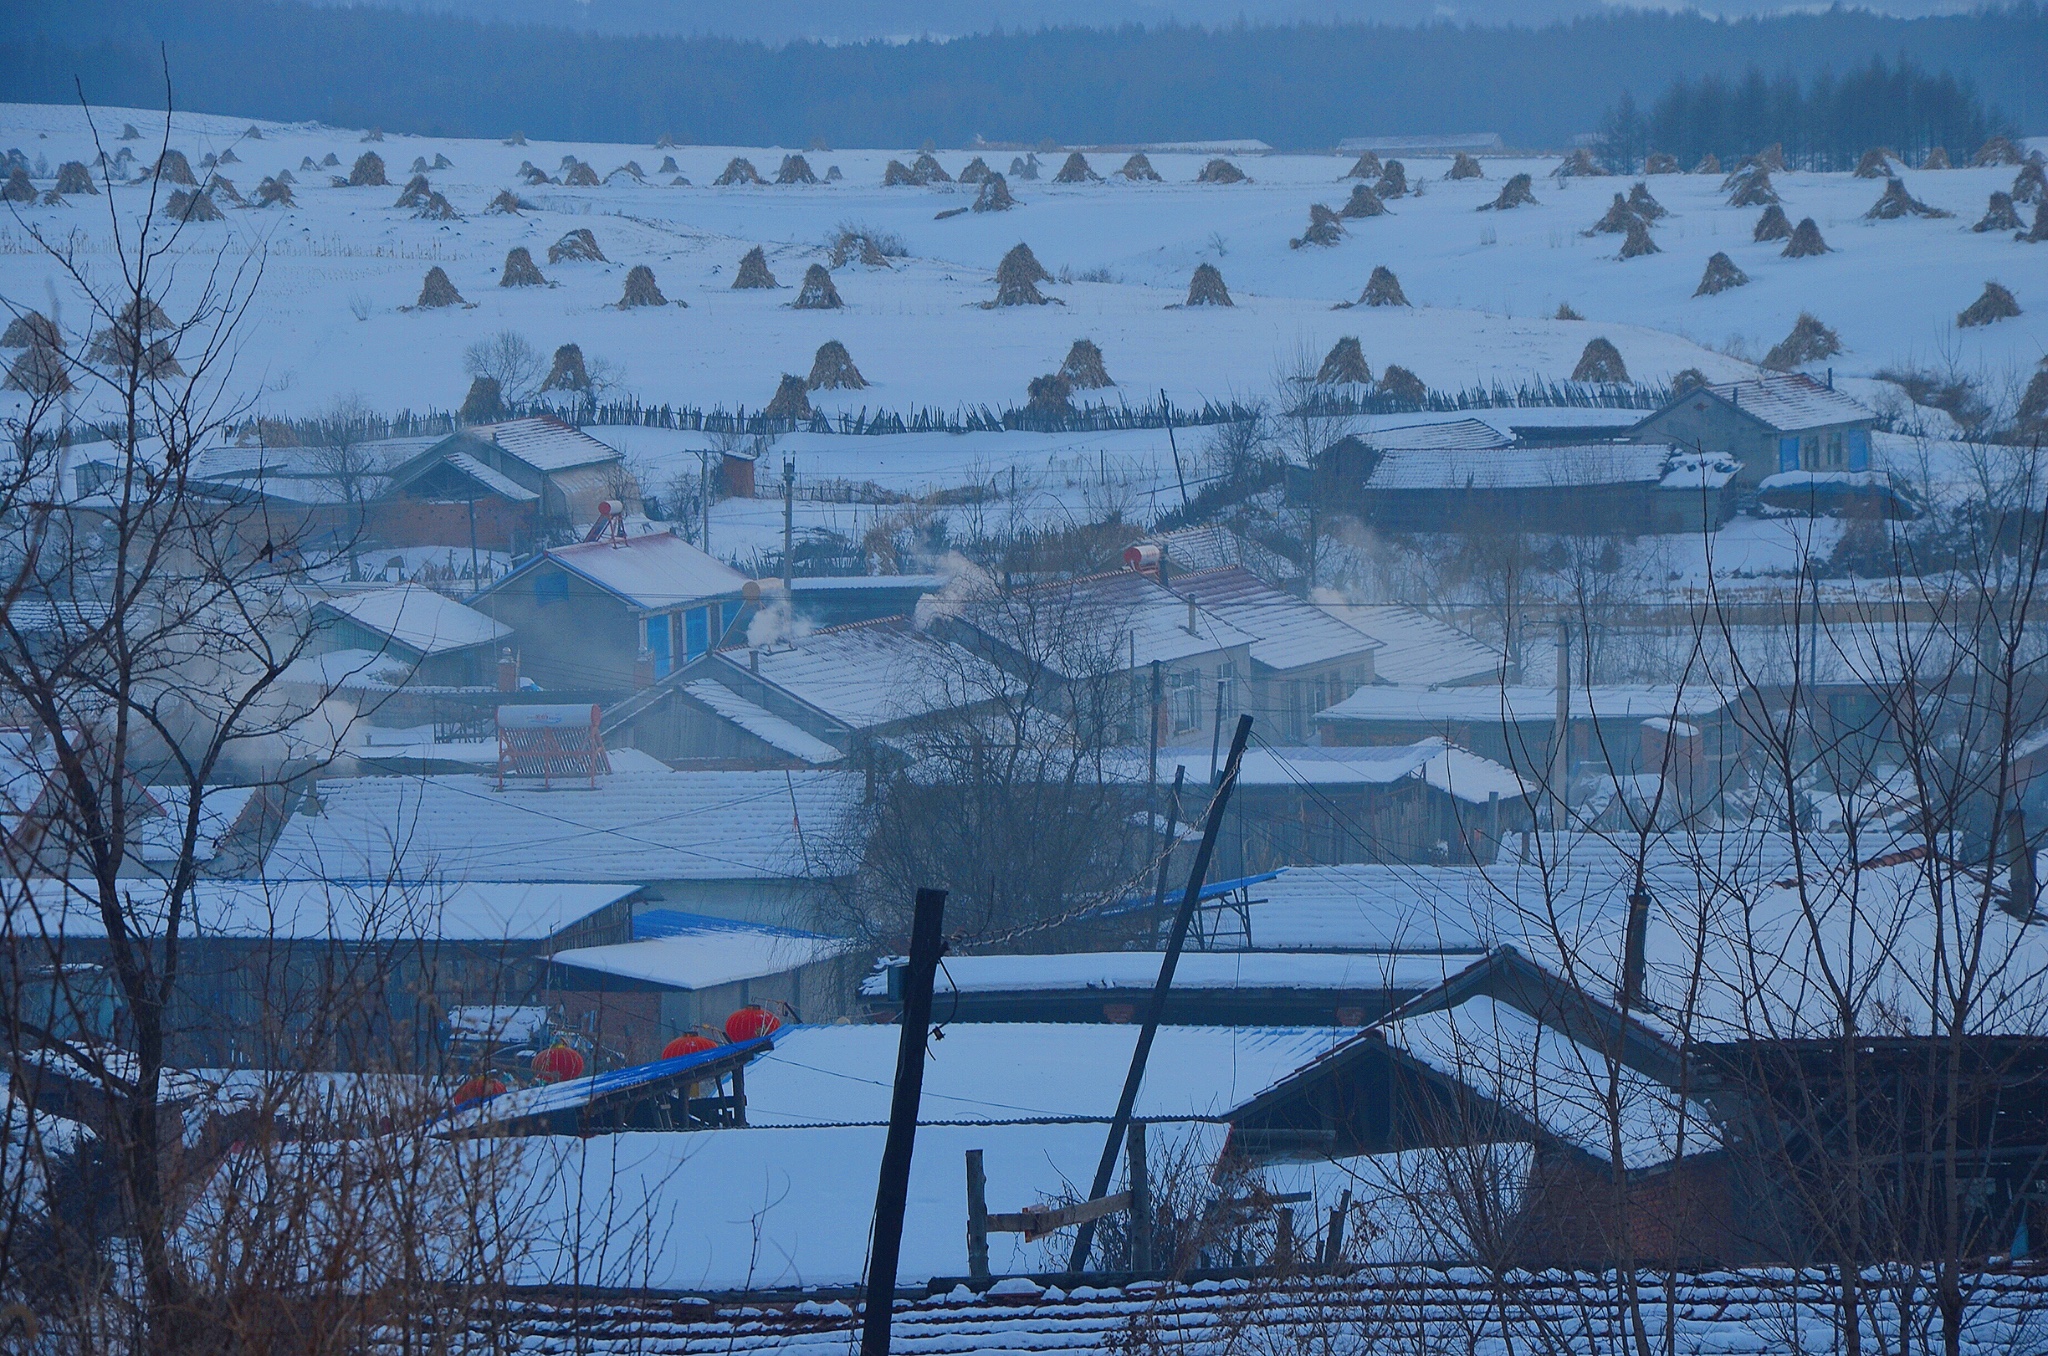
x=658, y=644
x=1809, y=452
x=1836, y=457
x=696, y=629
x=1184, y=701
x=550, y=586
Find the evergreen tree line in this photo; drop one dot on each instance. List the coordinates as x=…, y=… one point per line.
x=1825, y=124
x=1295, y=86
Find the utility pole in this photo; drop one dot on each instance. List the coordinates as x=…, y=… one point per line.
x=788, y=527
x=1152, y=774
x=1183, y=916
x=704, y=497
x=1561, y=737
x=892, y=1189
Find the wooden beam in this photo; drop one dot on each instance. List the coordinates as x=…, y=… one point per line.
x=1037, y=1223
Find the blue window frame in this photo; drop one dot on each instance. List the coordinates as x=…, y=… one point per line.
x=1859, y=449
x=550, y=586
x=696, y=631
x=658, y=645
x=1788, y=454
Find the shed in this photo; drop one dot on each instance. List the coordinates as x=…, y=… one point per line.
x=445, y=643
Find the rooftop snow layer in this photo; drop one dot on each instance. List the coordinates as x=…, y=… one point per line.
x=1790, y=401
x=546, y=444
x=655, y=570
x=418, y=618
x=1290, y=633
x=704, y=954
x=763, y=724
x=1520, y=468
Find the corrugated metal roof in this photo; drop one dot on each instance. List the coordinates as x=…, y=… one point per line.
x=1415, y=648
x=1289, y=631
x=873, y=673
x=1520, y=468
x=547, y=444
x=1457, y=434
x=1790, y=401
x=346, y=910
x=491, y=480
x=716, y=951
x=763, y=724
x=1104, y=621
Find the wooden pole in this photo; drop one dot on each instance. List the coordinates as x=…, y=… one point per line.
x=1180, y=773
x=1333, y=1241
x=927, y=944
x=977, y=1217
x=1085, y=1238
x=1140, y=1178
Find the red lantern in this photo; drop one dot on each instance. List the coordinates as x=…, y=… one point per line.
x=691, y=1044
x=748, y=1023
x=477, y=1089
x=557, y=1064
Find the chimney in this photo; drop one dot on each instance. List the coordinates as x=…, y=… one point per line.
x=1632, y=962
x=753, y=660
x=1191, y=618
x=2022, y=890
x=643, y=669
x=1164, y=566
x=508, y=670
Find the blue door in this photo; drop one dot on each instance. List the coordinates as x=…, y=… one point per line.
x=658, y=646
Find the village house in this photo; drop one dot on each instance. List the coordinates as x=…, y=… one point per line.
x=1604, y=488
x=504, y=487
x=440, y=642
x=1771, y=423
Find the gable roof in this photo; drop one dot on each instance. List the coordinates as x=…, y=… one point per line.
x=418, y=618
x=693, y=951
x=1786, y=401
x=1416, y=648
x=868, y=674
x=654, y=571
x=546, y=443
x=1211, y=546
x=1288, y=632
x=1520, y=468
x=1453, y=435
x=763, y=724
x=1112, y=620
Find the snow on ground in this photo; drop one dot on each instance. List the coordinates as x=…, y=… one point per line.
x=1482, y=281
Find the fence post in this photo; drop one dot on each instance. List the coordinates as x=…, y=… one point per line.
x=977, y=1217
x=1140, y=1178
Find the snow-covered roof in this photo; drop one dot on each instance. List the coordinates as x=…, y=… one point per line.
x=1212, y=546
x=1473, y=779
x=1457, y=434
x=871, y=673
x=506, y=1025
x=491, y=480
x=1520, y=468
x=336, y=909
x=656, y=570
x=634, y=826
x=1004, y=1072
x=350, y=670
x=1416, y=649
x=1126, y=970
x=763, y=724
x=700, y=952
x=1787, y=401
x=1522, y=703
x=1457, y=771
x=546, y=443
x=418, y=618
x=1289, y=632
x=1100, y=622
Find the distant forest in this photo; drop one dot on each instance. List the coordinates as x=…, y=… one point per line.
x=1295, y=86
x=1826, y=124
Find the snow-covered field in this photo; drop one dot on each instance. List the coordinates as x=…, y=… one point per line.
x=1482, y=283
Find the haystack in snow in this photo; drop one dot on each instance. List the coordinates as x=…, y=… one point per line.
x=128, y=132
x=507, y=203
x=1771, y=157
x=121, y=346
x=665, y=142
x=738, y=170
x=1895, y=202
x=520, y=270
x=1875, y=164
x=1017, y=279
x=368, y=172
x=1709, y=164
x=1076, y=171
x=1344, y=365
x=184, y=206
x=1565, y=311
x=1638, y=242
x=1401, y=386
x=1660, y=162
x=1995, y=304
x=2029, y=185
x=284, y=176
x=1382, y=289
x=631, y=170
x=641, y=289
x=437, y=291
x=516, y=139
x=224, y=191
x=329, y=161
x=1364, y=203
x=485, y=403
x=18, y=188
x=441, y=162
x=173, y=168
x=145, y=316
x=416, y=190
x=2030, y=419
x=2038, y=232
x=308, y=164
x=976, y=172
x=754, y=271
x=1752, y=188
x=567, y=373
x=817, y=293
x=1617, y=220
x=1084, y=370
x=419, y=164
x=436, y=208
x=1721, y=274
x=668, y=166
x=1393, y=181
x=31, y=329
x=1464, y=167
x=1687, y=379
x=1206, y=288
x=74, y=177
x=52, y=198
x=1514, y=193
x=578, y=246
x=1772, y=225
x=1221, y=171
x=1580, y=164
x=1997, y=151
x=1809, y=342
x=1024, y=166
x=1643, y=205
x=994, y=195
x=1805, y=240
x=926, y=169
x=795, y=170
x=1138, y=169
x=833, y=370
x=896, y=174
x=791, y=402
x=580, y=175
x=1323, y=228
x=2000, y=215
x=1937, y=159
x=38, y=371
x=374, y=134
x=1367, y=166
x=1601, y=362
x=535, y=176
